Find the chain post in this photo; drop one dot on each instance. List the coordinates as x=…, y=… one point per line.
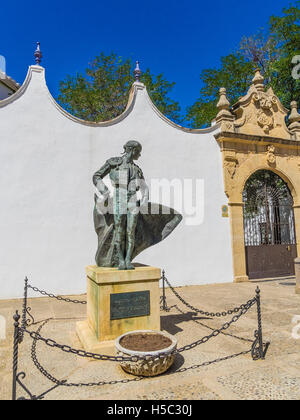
x=24, y=310
x=258, y=350
x=260, y=337
x=164, y=307
x=16, y=318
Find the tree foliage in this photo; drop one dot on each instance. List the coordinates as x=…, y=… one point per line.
x=285, y=31
x=235, y=75
x=102, y=92
x=272, y=50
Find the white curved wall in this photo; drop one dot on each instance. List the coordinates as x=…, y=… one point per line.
x=47, y=162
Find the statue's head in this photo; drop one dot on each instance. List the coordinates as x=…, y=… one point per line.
x=133, y=148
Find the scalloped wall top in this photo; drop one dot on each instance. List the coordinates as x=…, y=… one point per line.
x=38, y=73
x=48, y=158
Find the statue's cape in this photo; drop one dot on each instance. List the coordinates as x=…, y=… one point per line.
x=155, y=223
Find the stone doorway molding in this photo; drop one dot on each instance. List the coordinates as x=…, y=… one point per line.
x=254, y=136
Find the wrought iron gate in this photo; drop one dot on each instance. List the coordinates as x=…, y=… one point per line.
x=269, y=227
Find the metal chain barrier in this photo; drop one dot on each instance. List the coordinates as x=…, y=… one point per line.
x=113, y=382
x=224, y=327
x=36, y=336
x=210, y=362
x=42, y=292
x=248, y=340
x=199, y=311
x=258, y=349
x=51, y=378
x=34, y=358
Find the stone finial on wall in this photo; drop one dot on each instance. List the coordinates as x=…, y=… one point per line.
x=137, y=72
x=224, y=116
x=294, y=120
x=38, y=54
x=258, y=81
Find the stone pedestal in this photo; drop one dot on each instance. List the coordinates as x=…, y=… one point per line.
x=297, y=274
x=119, y=301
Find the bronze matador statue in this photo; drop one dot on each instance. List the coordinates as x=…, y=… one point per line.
x=125, y=225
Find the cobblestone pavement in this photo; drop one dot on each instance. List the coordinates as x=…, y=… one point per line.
x=277, y=377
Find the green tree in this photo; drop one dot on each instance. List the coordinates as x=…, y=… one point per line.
x=285, y=31
x=272, y=50
x=260, y=49
x=235, y=74
x=102, y=92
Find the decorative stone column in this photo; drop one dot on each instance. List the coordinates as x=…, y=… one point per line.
x=238, y=242
x=297, y=274
x=224, y=117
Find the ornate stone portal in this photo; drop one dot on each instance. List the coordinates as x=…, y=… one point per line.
x=254, y=136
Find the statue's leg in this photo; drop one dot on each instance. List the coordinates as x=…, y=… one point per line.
x=120, y=226
x=132, y=217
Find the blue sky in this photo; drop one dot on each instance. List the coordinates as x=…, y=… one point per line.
x=176, y=38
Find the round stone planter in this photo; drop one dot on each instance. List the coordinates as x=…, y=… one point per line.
x=155, y=363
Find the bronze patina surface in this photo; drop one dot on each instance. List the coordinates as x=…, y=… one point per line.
x=126, y=225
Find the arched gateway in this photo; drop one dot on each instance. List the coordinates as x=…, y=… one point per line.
x=269, y=226
x=261, y=166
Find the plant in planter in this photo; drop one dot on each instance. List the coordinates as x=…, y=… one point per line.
x=157, y=347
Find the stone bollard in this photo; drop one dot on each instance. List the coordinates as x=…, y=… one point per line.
x=297, y=274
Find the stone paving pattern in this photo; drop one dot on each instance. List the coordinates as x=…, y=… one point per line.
x=276, y=378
